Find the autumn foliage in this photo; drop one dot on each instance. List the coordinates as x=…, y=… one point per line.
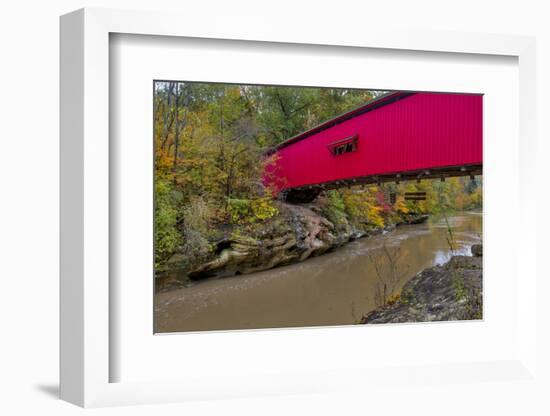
x=210, y=144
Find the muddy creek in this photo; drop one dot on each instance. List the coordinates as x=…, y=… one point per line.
x=337, y=288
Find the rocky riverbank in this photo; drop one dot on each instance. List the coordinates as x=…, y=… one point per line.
x=449, y=292
x=300, y=231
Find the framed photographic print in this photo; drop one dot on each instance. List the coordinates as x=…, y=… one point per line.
x=248, y=215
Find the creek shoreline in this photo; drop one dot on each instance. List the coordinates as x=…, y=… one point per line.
x=301, y=231
x=337, y=288
x=449, y=292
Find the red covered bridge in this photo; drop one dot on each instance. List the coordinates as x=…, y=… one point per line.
x=399, y=136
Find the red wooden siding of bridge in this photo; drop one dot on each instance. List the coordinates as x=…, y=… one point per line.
x=399, y=134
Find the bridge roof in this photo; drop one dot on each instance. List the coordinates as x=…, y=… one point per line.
x=381, y=101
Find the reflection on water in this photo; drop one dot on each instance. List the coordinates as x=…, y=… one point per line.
x=334, y=289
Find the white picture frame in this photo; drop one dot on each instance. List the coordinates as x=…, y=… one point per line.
x=86, y=355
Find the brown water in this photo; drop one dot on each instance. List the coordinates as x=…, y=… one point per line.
x=334, y=289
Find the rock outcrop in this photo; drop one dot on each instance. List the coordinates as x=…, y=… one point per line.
x=443, y=293
x=299, y=234
x=477, y=250
x=300, y=231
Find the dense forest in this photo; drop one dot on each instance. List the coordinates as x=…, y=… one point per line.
x=210, y=141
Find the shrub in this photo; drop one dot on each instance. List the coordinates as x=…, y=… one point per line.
x=197, y=217
x=364, y=206
x=476, y=198
x=334, y=208
x=238, y=209
x=167, y=236
x=263, y=208
x=251, y=210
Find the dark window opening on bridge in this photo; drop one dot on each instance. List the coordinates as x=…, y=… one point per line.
x=340, y=147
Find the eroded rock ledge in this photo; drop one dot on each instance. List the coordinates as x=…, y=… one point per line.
x=449, y=292
x=300, y=232
x=303, y=233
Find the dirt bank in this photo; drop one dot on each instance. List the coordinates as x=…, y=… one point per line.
x=449, y=292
